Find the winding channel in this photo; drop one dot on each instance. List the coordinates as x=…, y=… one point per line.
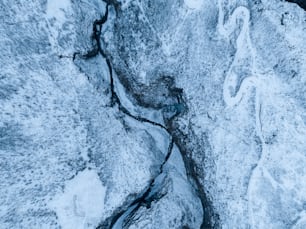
x=244, y=53
x=124, y=213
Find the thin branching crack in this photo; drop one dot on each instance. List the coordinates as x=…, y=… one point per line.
x=145, y=199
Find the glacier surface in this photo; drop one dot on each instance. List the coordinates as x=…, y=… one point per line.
x=153, y=114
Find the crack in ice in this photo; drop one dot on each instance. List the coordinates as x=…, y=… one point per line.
x=147, y=197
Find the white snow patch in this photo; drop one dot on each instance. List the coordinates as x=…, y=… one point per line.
x=81, y=206
x=56, y=9
x=176, y=161
x=57, y=14
x=194, y=4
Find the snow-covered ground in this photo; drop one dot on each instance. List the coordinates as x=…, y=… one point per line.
x=241, y=65
x=234, y=73
x=81, y=205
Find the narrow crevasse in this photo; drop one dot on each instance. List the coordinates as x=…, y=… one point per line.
x=150, y=194
x=122, y=216
x=153, y=114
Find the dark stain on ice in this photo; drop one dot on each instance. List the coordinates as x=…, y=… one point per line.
x=12, y=137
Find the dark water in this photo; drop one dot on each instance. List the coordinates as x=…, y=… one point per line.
x=301, y=3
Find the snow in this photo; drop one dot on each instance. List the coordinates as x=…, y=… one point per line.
x=119, y=223
x=244, y=54
x=56, y=9
x=179, y=197
x=81, y=205
x=194, y=4
x=176, y=162
x=57, y=17
x=150, y=114
x=242, y=71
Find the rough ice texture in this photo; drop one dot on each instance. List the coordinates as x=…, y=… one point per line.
x=69, y=159
x=242, y=67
